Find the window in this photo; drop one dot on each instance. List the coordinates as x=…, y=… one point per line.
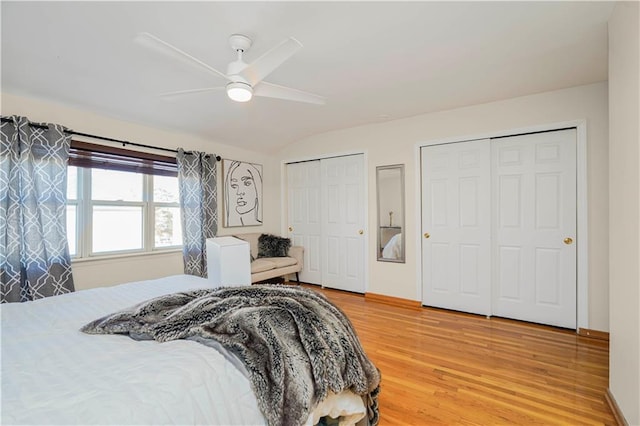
x=110, y=210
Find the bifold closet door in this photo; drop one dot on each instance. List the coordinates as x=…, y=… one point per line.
x=305, y=228
x=499, y=218
x=534, y=254
x=342, y=206
x=456, y=226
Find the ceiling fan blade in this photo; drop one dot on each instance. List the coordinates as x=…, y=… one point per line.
x=189, y=91
x=256, y=71
x=270, y=90
x=152, y=42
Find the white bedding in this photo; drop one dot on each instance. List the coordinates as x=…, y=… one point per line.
x=54, y=374
x=393, y=248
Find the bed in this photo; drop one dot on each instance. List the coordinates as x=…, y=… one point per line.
x=393, y=248
x=54, y=374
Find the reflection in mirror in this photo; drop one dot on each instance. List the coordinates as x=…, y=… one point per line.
x=390, y=187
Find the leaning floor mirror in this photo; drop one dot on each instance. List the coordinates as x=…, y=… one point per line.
x=390, y=192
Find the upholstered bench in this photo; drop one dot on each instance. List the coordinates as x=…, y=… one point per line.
x=264, y=268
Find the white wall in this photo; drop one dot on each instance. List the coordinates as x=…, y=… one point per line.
x=385, y=143
x=624, y=207
x=111, y=271
x=395, y=142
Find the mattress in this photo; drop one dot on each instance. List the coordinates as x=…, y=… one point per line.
x=54, y=374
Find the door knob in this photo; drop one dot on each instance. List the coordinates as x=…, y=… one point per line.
x=361, y=232
x=291, y=229
x=427, y=235
x=568, y=240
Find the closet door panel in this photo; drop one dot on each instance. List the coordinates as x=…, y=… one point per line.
x=548, y=273
x=535, y=194
x=332, y=271
x=352, y=268
x=343, y=222
x=313, y=260
x=509, y=278
x=303, y=182
x=470, y=258
x=439, y=269
x=456, y=226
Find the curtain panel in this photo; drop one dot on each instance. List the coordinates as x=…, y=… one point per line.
x=199, y=207
x=34, y=253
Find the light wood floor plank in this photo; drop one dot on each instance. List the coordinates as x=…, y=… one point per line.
x=444, y=367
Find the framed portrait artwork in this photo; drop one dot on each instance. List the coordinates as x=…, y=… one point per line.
x=242, y=193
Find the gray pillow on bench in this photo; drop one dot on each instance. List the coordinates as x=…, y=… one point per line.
x=273, y=246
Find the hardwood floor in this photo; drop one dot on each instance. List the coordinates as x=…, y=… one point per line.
x=443, y=367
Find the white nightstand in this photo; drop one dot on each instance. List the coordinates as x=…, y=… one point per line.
x=228, y=262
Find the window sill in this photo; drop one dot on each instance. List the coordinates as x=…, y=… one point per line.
x=121, y=256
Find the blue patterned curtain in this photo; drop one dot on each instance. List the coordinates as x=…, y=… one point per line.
x=34, y=254
x=199, y=207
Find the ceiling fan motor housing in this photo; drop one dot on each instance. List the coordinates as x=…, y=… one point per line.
x=239, y=42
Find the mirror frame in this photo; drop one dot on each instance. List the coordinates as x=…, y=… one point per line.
x=400, y=216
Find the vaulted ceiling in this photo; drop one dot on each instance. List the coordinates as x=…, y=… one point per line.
x=373, y=61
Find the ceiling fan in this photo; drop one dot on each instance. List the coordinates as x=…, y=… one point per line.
x=244, y=80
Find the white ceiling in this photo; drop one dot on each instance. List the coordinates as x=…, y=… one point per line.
x=373, y=61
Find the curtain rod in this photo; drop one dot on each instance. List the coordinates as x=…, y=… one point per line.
x=73, y=132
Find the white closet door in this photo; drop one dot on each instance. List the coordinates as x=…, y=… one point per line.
x=303, y=181
x=343, y=223
x=534, y=191
x=456, y=226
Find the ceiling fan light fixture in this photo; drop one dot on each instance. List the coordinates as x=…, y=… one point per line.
x=239, y=92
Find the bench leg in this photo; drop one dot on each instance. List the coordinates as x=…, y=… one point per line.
x=298, y=278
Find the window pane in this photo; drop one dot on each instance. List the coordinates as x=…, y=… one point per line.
x=117, y=228
x=165, y=189
x=110, y=185
x=72, y=183
x=71, y=229
x=168, y=230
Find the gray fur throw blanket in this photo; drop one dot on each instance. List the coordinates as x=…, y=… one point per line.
x=295, y=344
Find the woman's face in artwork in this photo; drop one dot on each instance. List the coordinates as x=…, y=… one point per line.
x=244, y=187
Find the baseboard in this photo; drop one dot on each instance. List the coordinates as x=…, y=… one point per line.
x=393, y=301
x=617, y=413
x=594, y=334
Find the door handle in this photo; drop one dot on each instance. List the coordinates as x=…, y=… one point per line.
x=361, y=232
x=427, y=235
x=291, y=229
x=568, y=240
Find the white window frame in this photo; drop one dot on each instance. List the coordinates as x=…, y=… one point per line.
x=84, y=217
